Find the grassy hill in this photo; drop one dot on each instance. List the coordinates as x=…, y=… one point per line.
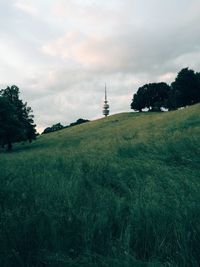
x=119, y=191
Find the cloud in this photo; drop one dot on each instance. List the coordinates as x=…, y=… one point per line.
x=60, y=53
x=28, y=8
x=126, y=52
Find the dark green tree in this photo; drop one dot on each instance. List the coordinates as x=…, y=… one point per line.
x=16, y=118
x=79, y=121
x=198, y=87
x=157, y=95
x=57, y=127
x=53, y=128
x=172, y=101
x=152, y=96
x=47, y=130
x=11, y=129
x=186, y=88
x=139, y=99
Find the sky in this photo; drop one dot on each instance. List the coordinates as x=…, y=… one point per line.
x=60, y=53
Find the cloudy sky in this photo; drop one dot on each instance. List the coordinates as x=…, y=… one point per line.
x=60, y=53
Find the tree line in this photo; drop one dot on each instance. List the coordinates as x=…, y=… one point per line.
x=184, y=91
x=59, y=126
x=16, y=118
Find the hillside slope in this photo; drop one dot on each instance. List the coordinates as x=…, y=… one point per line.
x=119, y=191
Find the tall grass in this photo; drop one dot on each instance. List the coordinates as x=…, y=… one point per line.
x=121, y=191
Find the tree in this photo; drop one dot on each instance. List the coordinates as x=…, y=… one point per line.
x=47, y=130
x=16, y=120
x=172, y=101
x=198, y=87
x=10, y=126
x=53, y=128
x=157, y=95
x=57, y=127
x=139, y=99
x=186, y=88
x=152, y=96
x=79, y=121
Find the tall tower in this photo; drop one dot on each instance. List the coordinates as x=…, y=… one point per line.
x=105, y=106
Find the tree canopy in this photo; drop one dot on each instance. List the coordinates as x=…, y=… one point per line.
x=186, y=88
x=53, y=128
x=152, y=96
x=16, y=119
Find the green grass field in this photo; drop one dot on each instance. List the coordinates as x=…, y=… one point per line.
x=122, y=191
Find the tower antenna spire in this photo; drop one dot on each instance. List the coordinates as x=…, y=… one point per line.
x=105, y=93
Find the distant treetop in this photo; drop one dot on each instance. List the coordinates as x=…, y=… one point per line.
x=59, y=126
